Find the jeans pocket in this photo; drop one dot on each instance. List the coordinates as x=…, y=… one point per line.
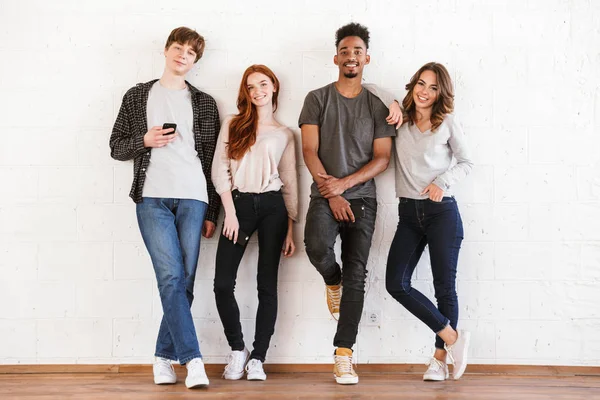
x=445, y=200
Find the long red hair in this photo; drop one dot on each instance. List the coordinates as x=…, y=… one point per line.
x=243, y=126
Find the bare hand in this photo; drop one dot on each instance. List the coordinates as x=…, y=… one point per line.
x=395, y=116
x=231, y=227
x=341, y=209
x=208, y=229
x=331, y=186
x=435, y=192
x=288, y=246
x=156, y=137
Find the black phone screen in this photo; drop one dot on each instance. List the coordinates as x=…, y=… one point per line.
x=168, y=125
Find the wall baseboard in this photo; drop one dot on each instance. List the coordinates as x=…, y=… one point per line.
x=487, y=369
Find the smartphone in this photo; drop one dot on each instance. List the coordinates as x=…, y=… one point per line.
x=242, y=238
x=168, y=125
x=358, y=209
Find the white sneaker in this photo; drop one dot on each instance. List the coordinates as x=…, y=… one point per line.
x=457, y=353
x=255, y=370
x=196, y=376
x=164, y=373
x=236, y=361
x=437, y=371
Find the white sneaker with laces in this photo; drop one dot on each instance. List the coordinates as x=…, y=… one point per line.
x=164, y=374
x=255, y=371
x=196, y=376
x=437, y=371
x=457, y=353
x=236, y=361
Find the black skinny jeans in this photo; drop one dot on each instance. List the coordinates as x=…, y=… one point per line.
x=265, y=213
x=320, y=234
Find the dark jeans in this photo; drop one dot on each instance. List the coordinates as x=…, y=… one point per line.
x=171, y=229
x=320, y=232
x=425, y=222
x=266, y=213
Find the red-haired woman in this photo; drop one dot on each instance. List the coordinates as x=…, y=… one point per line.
x=254, y=172
x=431, y=156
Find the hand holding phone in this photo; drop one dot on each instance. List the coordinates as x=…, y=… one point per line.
x=156, y=138
x=168, y=125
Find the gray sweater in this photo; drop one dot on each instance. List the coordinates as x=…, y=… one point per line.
x=441, y=157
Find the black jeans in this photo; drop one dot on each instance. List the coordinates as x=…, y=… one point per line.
x=266, y=213
x=320, y=232
x=425, y=222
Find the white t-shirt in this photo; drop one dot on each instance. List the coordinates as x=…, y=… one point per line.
x=175, y=170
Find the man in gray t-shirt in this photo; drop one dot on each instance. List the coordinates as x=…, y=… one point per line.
x=345, y=143
x=347, y=128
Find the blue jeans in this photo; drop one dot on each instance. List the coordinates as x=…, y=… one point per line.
x=172, y=229
x=320, y=233
x=425, y=222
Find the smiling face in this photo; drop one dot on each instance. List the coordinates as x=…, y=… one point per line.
x=426, y=91
x=180, y=58
x=261, y=89
x=351, y=56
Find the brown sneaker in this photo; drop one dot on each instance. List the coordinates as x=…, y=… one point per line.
x=334, y=296
x=343, y=372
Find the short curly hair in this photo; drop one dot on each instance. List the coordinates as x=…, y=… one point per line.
x=352, y=29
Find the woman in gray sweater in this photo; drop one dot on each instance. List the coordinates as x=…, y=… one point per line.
x=425, y=147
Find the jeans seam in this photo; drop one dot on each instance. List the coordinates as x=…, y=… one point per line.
x=185, y=360
x=167, y=356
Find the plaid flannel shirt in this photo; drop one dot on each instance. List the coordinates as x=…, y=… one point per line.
x=127, y=138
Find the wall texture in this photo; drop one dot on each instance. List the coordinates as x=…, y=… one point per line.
x=76, y=284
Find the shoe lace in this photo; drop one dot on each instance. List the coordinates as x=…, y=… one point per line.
x=163, y=365
x=334, y=295
x=343, y=364
x=254, y=366
x=435, y=364
x=235, y=361
x=449, y=353
x=195, y=366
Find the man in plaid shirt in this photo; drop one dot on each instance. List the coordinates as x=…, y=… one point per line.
x=176, y=202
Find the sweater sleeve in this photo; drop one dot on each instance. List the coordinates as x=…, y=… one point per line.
x=289, y=176
x=460, y=150
x=386, y=97
x=221, y=168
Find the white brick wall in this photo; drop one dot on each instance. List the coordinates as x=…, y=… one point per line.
x=77, y=285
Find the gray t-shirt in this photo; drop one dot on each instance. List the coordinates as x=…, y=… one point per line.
x=347, y=129
x=174, y=171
